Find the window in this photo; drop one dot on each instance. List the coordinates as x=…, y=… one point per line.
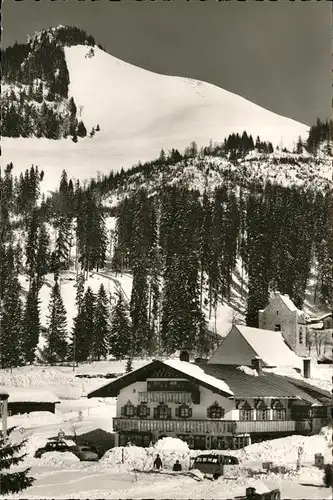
x=246, y=412
x=128, y=410
x=143, y=397
x=278, y=328
x=183, y=411
x=300, y=336
x=143, y=411
x=279, y=412
x=215, y=411
x=262, y=411
x=162, y=412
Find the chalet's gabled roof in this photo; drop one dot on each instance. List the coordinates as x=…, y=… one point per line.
x=287, y=302
x=265, y=344
x=266, y=385
x=241, y=385
x=183, y=369
x=270, y=347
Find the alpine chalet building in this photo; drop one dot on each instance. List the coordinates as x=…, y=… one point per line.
x=225, y=402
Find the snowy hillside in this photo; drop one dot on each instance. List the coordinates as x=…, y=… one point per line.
x=140, y=112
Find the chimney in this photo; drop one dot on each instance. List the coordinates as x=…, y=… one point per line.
x=184, y=355
x=200, y=360
x=257, y=365
x=306, y=367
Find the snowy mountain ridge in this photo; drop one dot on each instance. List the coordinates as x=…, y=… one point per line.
x=209, y=172
x=138, y=112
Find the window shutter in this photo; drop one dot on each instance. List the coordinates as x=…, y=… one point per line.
x=177, y=412
x=122, y=411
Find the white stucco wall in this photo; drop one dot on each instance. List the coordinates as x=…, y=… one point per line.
x=277, y=313
x=199, y=411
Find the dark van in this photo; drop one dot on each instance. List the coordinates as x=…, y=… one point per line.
x=213, y=464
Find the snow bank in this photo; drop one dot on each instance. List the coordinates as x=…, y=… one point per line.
x=284, y=451
x=58, y=459
x=135, y=457
x=170, y=443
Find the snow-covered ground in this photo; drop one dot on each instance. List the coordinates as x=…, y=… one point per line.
x=62, y=476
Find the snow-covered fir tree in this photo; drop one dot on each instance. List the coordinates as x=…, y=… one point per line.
x=12, y=481
x=101, y=331
x=55, y=350
x=120, y=330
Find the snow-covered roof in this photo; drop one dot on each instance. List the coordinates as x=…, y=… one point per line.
x=189, y=370
x=197, y=373
x=317, y=326
x=27, y=394
x=270, y=347
x=315, y=319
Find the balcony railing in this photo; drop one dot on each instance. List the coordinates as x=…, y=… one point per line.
x=262, y=426
x=178, y=426
x=223, y=427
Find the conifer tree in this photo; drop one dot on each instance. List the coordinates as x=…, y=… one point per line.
x=56, y=344
x=81, y=129
x=76, y=333
x=31, y=245
x=84, y=326
x=31, y=323
x=101, y=330
x=42, y=254
x=120, y=331
x=11, y=323
x=12, y=482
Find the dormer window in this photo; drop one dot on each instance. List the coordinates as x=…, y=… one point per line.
x=215, y=411
x=184, y=411
x=261, y=411
x=246, y=412
x=279, y=411
x=278, y=328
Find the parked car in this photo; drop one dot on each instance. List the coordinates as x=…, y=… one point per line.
x=212, y=464
x=85, y=453
x=60, y=446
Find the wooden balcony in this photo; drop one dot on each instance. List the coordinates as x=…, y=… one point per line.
x=268, y=426
x=222, y=427
x=177, y=426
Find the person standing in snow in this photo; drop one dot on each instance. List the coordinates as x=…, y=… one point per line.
x=157, y=462
x=177, y=467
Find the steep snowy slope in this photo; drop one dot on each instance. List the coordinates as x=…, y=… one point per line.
x=140, y=112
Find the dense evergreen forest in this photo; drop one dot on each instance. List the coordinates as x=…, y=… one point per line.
x=181, y=246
